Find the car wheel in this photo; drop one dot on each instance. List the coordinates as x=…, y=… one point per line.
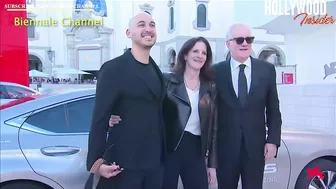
x=25, y=185
x=309, y=177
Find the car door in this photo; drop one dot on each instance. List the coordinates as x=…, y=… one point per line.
x=277, y=170
x=54, y=141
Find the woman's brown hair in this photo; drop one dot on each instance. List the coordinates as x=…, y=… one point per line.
x=206, y=72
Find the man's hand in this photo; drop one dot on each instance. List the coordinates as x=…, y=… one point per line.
x=109, y=171
x=212, y=176
x=114, y=120
x=270, y=151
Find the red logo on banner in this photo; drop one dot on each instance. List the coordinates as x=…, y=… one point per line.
x=287, y=78
x=315, y=172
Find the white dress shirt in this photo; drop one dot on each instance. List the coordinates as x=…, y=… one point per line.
x=235, y=72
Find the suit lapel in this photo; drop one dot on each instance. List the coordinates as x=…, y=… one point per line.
x=227, y=88
x=144, y=81
x=229, y=80
x=254, y=79
x=162, y=81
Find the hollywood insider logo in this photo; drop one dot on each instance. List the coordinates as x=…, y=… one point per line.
x=306, y=11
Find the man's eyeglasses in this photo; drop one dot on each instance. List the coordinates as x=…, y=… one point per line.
x=240, y=40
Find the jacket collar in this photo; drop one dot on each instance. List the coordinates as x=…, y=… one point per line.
x=181, y=90
x=175, y=78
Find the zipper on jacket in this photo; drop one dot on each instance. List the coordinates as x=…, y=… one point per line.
x=178, y=144
x=182, y=133
x=208, y=143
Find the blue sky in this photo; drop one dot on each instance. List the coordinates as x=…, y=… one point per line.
x=251, y=12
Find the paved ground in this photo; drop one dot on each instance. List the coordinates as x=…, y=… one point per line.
x=181, y=186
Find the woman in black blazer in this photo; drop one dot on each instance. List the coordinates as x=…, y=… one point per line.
x=190, y=116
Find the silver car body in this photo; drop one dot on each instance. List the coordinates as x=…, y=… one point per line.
x=57, y=158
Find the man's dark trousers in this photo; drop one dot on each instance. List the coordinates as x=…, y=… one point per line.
x=135, y=179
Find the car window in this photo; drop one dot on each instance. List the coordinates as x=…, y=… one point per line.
x=3, y=93
x=73, y=117
x=79, y=115
x=52, y=119
x=18, y=92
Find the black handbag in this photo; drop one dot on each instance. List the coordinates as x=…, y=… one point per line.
x=90, y=180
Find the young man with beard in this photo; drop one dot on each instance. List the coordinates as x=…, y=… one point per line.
x=246, y=87
x=131, y=86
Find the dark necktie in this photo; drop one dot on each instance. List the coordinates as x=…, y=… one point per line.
x=242, y=85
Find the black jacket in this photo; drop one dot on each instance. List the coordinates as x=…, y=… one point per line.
x=137, y=142
x=177, y=110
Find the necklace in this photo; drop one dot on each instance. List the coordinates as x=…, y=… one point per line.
x=192, y=88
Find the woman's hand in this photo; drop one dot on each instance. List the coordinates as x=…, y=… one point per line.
x=212, y=176
x=115, y=119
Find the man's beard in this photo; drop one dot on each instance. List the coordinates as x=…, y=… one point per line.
x=148, y=46
x=145, y=46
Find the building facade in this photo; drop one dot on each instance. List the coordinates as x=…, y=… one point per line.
x=311, y=47
x=88, y=47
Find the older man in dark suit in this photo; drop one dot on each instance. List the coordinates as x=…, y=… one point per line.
x=246, y=87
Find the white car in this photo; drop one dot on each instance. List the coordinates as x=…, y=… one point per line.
x=11, y=91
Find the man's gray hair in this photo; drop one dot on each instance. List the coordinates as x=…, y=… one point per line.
x=229, y=34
